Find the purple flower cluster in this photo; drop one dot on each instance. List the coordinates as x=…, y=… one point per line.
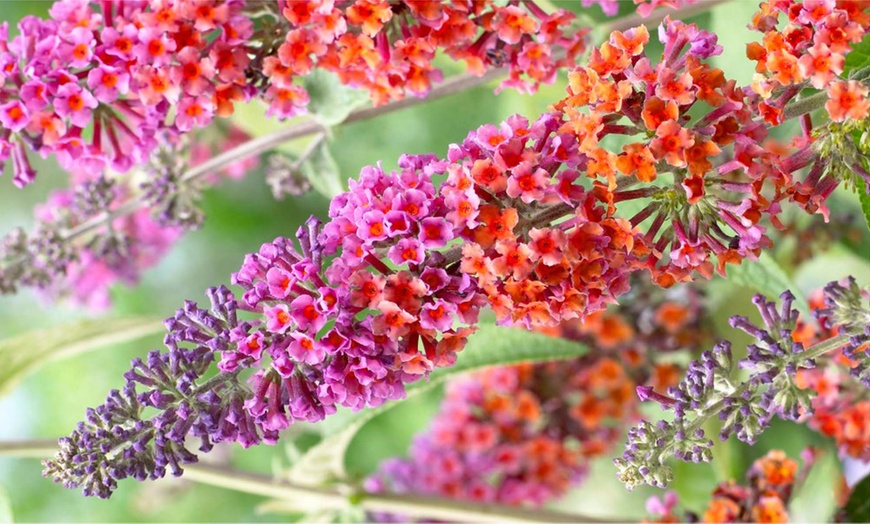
x=848, y=307
x=746, y=408
x=118, y=440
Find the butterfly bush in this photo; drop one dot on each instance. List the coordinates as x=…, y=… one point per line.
x=96, y=82
x=708, y=207
x=524, y=434
x=522, y=218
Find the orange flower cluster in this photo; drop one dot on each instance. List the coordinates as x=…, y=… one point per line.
x=696, y=151
x=516, y=435
x=770, y=481
x=702, y=213
x=388, y=47
x=841, y=409
x=809, y=48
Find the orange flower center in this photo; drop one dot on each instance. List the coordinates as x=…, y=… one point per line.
x=80, y=52
x=109, y=80
x=75, y=102
x=156, y=48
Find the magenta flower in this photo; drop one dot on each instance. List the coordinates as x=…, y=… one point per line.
x=304, y=349
x=526, y=184
x=373, y=227
x=278, y=319
x=437, y=316
x=78, y=50
x=286, y=102
x=34, y=94
x=194, y=112
x=75, y=103
x=435, y=232
x=154, y=47
x=14, y=116
x=120, y=44
x=407, y=251
x=194, y=73
x=306, y=314
x=108, y=82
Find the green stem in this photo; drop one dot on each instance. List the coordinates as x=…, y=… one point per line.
x=336, y=497
x=805, y=105
x=817, y=350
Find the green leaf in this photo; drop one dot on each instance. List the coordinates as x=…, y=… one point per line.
x=767, y=277
x=392, y=430
x=813, y=500
x=834, y=264
x=5, y=508
x=324, y=174
x=490, y=346
x=25, y=353
x=858, y=507
x=251, y=118
x=858, y=57
x=330, y=101
x=864, y=198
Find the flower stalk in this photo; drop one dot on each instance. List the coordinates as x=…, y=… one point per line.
x=336, y=496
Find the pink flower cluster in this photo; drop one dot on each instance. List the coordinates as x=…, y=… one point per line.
x=515, y=435
x=95, y=82
x=531, y=272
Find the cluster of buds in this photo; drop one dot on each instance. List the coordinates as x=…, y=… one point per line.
x=764, y=498
x=86, y=240
x=93, y=84
x=709, y=389
x=524, y=434
x=143, y=429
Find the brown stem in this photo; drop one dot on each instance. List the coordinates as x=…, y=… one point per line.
x=658, y=15
x=336, y=496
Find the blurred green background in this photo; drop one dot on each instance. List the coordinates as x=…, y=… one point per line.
x=242, y=215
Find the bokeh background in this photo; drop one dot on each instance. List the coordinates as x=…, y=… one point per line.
x=240, y=216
